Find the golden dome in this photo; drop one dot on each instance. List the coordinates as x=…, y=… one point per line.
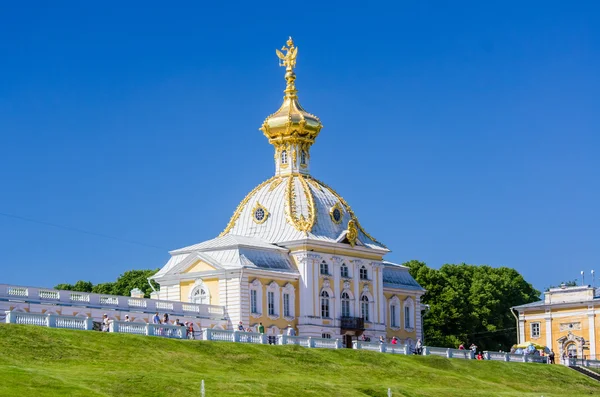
x=291, y=124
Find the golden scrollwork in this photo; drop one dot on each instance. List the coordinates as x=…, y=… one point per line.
x=301, y=223
x=352, y=233
x=259, y=213
x=241, y=205
x=275, y=183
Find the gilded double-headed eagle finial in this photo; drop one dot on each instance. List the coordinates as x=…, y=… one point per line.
x=289, y=58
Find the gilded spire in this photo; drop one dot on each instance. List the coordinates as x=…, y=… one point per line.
x=289, y=61
x=291, y=129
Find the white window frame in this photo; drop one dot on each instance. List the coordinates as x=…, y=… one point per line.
x=408, y=307
x=289, y=290
x=346, y=301
x=257, y=286
x=365, y=310
x=324, y=269
x=200, y=287
x=531, y=330
x=284, y=157
x=342, y=275
x=274, y=288
x=363, y=273
x=394, y=310
x=302, y=157
x=325, y=301
x=253, y=301
x=326, y=335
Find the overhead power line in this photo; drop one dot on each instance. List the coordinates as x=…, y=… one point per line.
x=77, y=230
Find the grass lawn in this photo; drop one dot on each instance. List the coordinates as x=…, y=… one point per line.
x=38, y=361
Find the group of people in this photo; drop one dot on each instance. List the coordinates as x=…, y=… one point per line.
x=189, y=326
x=418, y=349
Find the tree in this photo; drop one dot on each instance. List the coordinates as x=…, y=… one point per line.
x=571, y=283
x=471, y=304
x=125, y=283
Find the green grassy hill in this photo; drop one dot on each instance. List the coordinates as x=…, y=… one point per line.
x=38, y=361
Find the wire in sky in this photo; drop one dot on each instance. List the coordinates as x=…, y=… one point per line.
x=74, y=229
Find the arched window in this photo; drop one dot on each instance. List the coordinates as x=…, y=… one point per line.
x=200, y=296
x=324, y=304
x=345, y=304
x=364, y=307
x=284, y=158
x=344, y=271
x=303, y=157
x=324, y=268
x=364, y=275
x=394, y=309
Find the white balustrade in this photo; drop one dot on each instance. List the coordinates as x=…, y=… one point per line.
x=495, y=356
x=79, y=297
x=461, y=353
x=128, y=327
x=397, y=349
x=27, y=318
x=134, y=302
x=326, y=343
x=167, y=331
x=252, y=337
x=17, y=291
x=109, y=300
x=49, y=320
x=435, y=351
x=71, y=322
x=161, y=305
x=190, y=307
x=293, y=340
x=362, y=345
x=49, y=294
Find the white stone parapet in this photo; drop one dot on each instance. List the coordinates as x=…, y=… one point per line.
x=50, y=320
x=108, y=302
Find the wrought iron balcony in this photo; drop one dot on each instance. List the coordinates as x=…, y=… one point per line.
x=352, y=323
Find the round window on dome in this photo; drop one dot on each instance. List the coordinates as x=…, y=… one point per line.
x=259, y=213
x=336, y=213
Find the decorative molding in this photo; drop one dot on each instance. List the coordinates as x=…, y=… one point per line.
x=266, y=213
x=574, y=326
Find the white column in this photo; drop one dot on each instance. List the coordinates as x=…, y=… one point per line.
x=522, y=330
x=592, y=335
x=304, y=292
x=548, y=319
x=337, y=289
x=381, y=297
x=356, y=279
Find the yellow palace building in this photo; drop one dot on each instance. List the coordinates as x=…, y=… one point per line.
x=294, y=253
x=566, y=321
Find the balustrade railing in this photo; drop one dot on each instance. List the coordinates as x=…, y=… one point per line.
x=49, y=320
x=109, y=302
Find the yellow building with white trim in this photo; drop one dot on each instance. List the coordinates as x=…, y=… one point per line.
x=294, y=253
x=566, y=321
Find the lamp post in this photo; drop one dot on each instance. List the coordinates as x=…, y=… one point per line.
x=582, y=277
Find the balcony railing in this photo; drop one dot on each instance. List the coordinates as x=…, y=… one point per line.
x=108, y=302
x=352, y=323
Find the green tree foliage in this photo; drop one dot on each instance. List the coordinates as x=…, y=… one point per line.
x=471, y=304
x=123, y=286
x=571, y=283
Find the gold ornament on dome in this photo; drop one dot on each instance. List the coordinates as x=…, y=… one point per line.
x=336, y=212
x=259, y=213
x=352, y=233
x=289, y=58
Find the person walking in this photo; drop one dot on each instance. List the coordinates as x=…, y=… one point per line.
x=419, y=347
x=156, y=319
x=291, y=331
x=261, y=328
x=241, y=326
x=105, y=323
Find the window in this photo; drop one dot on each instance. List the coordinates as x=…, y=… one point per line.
x=407, y=322
x=409, y=308
x=284, y=159
x=259, y=214
x=199, y=296
x=344, y=271
x=393, y=319
x=364, y=307
x=324, y=268
x=303, y=157
x=326, y=336
x=345, y=304
x=535, y=330
x=286, y=305
x=364, y=275
x=271, y=302
x=253, y=301
x=324, y=304
x=572, y=350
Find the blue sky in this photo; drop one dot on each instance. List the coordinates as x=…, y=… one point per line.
x=457, y=131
